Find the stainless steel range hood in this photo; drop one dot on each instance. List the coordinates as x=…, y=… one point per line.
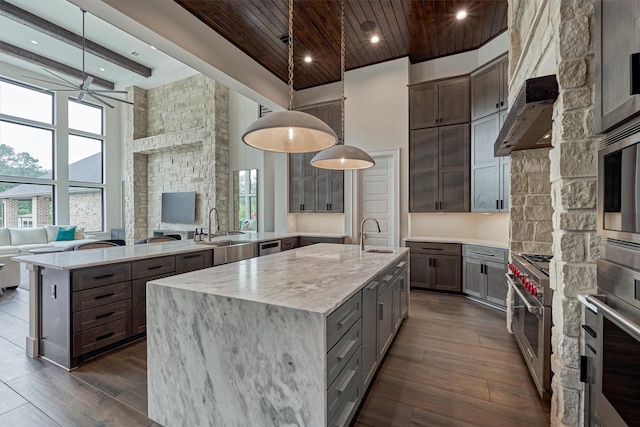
x=528, y=124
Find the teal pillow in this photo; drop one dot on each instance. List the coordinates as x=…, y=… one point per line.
x=66, y=234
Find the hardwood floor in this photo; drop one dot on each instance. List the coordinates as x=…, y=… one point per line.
x=452, y=364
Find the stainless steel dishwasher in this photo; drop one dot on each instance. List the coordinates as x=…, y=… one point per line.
x=270, y=247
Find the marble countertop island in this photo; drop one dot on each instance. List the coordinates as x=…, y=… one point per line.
x=245, y=343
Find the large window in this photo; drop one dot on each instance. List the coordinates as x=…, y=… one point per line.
x=32, y=159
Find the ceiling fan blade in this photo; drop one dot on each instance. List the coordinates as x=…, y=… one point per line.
x=52, y=83
x=110, y=97
x=100, y=100
x=87, y=83
x=61, y=78
x=80, y=95
x=109, y=91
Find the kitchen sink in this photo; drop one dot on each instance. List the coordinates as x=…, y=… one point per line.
x=227, y=251
x=379, y=251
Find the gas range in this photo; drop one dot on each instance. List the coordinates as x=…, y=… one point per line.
x=532, y=270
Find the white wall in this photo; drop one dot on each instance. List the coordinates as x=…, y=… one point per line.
x=491, y=227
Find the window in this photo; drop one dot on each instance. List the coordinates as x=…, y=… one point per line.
x=85, y=117
x=85, y=159
x=26, y=102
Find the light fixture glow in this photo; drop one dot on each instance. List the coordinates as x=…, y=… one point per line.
x=308, y=59
x=102, y=69
x=461, y=14
x=342, y=157
x=290, y=131
x=375, y=39
x=34, y=41
x=152, y=47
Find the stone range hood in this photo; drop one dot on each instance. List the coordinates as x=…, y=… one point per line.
x=528, y=123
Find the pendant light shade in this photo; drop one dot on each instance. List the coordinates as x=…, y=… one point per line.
x=342, y=157
x=290, y=132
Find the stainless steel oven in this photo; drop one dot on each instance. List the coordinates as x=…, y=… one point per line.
x=617, y=385
x=530, y=312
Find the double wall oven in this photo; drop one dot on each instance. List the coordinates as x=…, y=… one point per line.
x=529, y=315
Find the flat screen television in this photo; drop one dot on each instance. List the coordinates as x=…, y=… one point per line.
x=179, y=208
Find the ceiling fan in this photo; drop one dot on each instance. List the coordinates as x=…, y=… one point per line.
x=84, y=88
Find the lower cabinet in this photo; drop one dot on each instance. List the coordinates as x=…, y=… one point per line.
x=312, y=240
x=359, y=334
x=436, y=266
x=484, y=274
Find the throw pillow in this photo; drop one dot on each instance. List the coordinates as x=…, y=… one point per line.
x=66, y=234
x=79, y=233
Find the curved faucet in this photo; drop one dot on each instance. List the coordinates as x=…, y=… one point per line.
x=217, y=222
x=362, y=235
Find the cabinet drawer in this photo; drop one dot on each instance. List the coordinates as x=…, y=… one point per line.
x=153, y=267
x=289, y=243
x=91, y=318
x=485, y=252
x=95, y=297
x=348, y=406
x=100, y=336
x=343, y=318
x=386, y=279
x=193, y=261
x=341, y=353
x=435, y=248
x=100, y=276
x=338, y=389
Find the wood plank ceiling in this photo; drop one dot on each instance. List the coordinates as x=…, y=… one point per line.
x=420, y=29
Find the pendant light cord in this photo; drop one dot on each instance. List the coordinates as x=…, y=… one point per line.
x=290, y=55
x=342, y=65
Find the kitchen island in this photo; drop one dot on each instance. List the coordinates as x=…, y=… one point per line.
x=287, y=339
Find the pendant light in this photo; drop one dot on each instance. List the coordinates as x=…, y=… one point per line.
x=342, y=157
x=290, y=131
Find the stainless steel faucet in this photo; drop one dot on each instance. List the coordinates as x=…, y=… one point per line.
x=217, y=222
x=362, y=235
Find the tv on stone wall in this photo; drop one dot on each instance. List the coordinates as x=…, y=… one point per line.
x=179, y=208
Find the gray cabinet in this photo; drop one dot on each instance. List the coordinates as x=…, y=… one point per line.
x=490, y=176
x=439, y=168
x=484, y=274
x=439, y=103
x=435, y=266
x=616, y=38
x=369, y=332
x=489, y=90
x=312, y=189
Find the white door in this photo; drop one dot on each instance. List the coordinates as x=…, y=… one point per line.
x=379, y=199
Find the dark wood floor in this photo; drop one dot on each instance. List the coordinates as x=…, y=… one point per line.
x=452, y=364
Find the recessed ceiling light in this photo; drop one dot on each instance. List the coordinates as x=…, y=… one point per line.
x=102, y=69
x=308, y=59
x=461, y=14
x=34, y=41
x=375, y=39
x=153, y=47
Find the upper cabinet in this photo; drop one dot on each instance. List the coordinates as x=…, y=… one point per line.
x=440, y=103
x=489, y=90
x=312, y=189
x=616, y=38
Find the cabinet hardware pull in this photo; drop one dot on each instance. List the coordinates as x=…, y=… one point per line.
x=101, y=337
x=433, y=249
x=593, y=350
x=436, y=205
x=502, y=103
x=342, y=421
x=343, y=321
x=584, y=369
x=387, y=278
x=346, y=381
x=104, y=276
x=497, y=105
x=501, y=203
x=372, y=286
x=155, y=267
x=102, y=316
x=402, y=284
x=440, y=205
x=590, y=331
x=346, y=350
x=401, y=264
x=104, y=296
x=497, y=204
x=301, y=207
x=381, y=311
x=191, y=256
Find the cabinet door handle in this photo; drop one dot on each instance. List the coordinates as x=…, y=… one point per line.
x=343, y=321
x=497, y=105
x=102, y=316
x=502, y=103
x=301, y=207
x=104, y=276
x=402, y=284
x=440, y=205
x=372, y=286
x=387, y=278
x=380, y=310
x=101, y=337
x=155, y=267
x=436, y=205
x=501, y=203
x=346, y=350
x=590, y=331
x=346, y=381
x=104, y=296
x=584, y=369
x=191, y=256
x=401, y=264
x=497, y=204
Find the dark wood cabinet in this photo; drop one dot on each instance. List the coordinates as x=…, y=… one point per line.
x=288, y=243
x=490, y=176
x=439, y=169
x=193, y=261
x=312, y=240
x=435, y=266
x=439, y=103
x=616, y=38
x=312, y=189
x=489, y=90
x=483, y=274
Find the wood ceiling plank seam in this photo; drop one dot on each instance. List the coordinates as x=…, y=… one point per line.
x=432, y=28
x=460, y=29
x=490, y=10
x=441, y=27
x=500, y=15
x=451, y=24
x=469, y=27
x=389, y=47
x=422, y=32
x=355, y=47
x=478, y=23
x=357, y=57
x=394, y=25
x=382, y=50
x=401, y=21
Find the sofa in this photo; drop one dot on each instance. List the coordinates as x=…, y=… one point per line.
x=19, y=241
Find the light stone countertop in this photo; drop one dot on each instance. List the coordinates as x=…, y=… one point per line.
x=461, y=240
x=72, y=260
x=316, y=278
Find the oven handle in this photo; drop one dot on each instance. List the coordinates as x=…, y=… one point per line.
x=531, y=308
x=619, y=319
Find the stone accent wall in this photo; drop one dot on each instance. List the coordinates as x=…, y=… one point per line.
x=530, y=204
x=86, y=208
x=10, y=211
x=562, y=30
x=41, y=211
x=185, y=148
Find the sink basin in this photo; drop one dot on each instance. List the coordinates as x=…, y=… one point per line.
x=379, y=251
x=227, y=251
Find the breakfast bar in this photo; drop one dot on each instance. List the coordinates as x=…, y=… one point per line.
x=291, y=338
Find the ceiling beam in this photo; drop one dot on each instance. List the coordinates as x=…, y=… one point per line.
x=30, y=20
x=50, y=63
